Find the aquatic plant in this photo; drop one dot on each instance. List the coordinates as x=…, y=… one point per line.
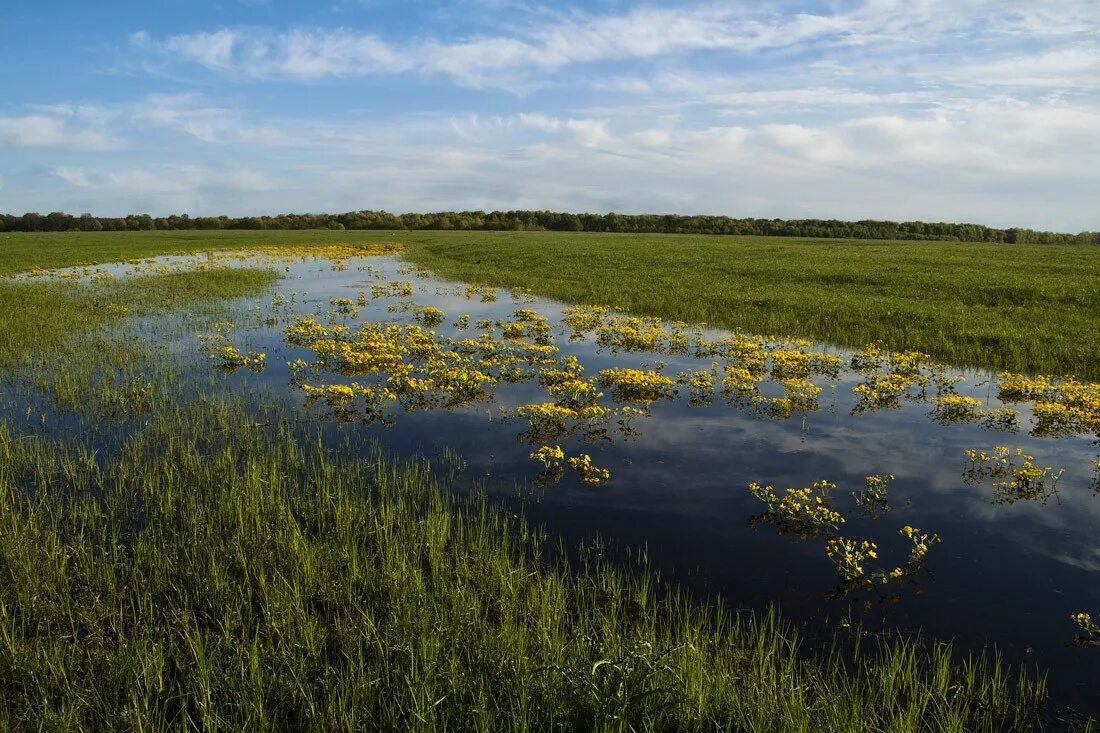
x=1060, y=407
x=700, y=384
x=631, y=333
x=804, y=511
x=636, y=385
x=1090, y=631
x=395, y=289
x=590, y=473
x=956, y=408
x=225, y=356
x=873, y=498
x=849, y=556
x=343, y=305
x=549, y=456
x=853, y=558
x=1020, y=388
x=1013, y=474
x=430, y=316
x=1001, y=419
x=486, y=293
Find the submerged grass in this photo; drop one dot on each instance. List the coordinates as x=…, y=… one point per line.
x=20, y=252
x=43, y=316
x=224, y=579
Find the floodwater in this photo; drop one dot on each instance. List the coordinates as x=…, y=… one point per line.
x=1008, y=572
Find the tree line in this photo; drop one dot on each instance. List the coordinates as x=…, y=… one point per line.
x=551, y=221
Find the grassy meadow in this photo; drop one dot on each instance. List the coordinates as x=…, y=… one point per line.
x=219, y=565
x=1024, y=308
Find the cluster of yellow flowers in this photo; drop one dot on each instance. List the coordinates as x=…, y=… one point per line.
x=549, y=456
x=1020, y=388
x=225, y=355
x=345, y=306
x=956, y=408
x=527, y=324
x=486, y=293
x=418, y=368
x=851, y=556
x=746, y=351
x=803, y=510
x=552, y=459
x=1061, y=407
x=921, y=542
x=740, y=382
x=1013, y=474
x=555, y=419
x=890, y=377
x=394, y=289
x=635, y=385
x=621, y=333
x=568, y=385
x=807, y=512
x=430, y=316
x=700, y=384
x=1091, y=632
x=788, y=364
x=583, y=318
x=800, y=394
x=342, y=395
x=229, y=359
x=590, y=474
x=874, y=497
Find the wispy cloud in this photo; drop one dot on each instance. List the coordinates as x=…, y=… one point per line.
x=49, y=131
x=579, y=38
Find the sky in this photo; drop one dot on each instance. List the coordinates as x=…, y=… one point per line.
x=984, y=111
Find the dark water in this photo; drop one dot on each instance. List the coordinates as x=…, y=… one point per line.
x=1006, y=575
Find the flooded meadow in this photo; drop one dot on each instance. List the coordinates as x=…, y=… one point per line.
x=858, y=491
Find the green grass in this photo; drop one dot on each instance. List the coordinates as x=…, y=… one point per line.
x=217, y=578
x=1022, y=308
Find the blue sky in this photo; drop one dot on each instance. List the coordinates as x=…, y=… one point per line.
x=975, y=110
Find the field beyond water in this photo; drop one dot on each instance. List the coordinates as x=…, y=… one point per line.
x=1024, y=308
x=187, y=541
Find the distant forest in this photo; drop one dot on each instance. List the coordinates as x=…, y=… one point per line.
x=551, y=221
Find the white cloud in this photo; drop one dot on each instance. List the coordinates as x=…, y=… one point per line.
x=184, y=180
x=296, y=54
x=1069, y=68
x=74, y=176
x=43, y=131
